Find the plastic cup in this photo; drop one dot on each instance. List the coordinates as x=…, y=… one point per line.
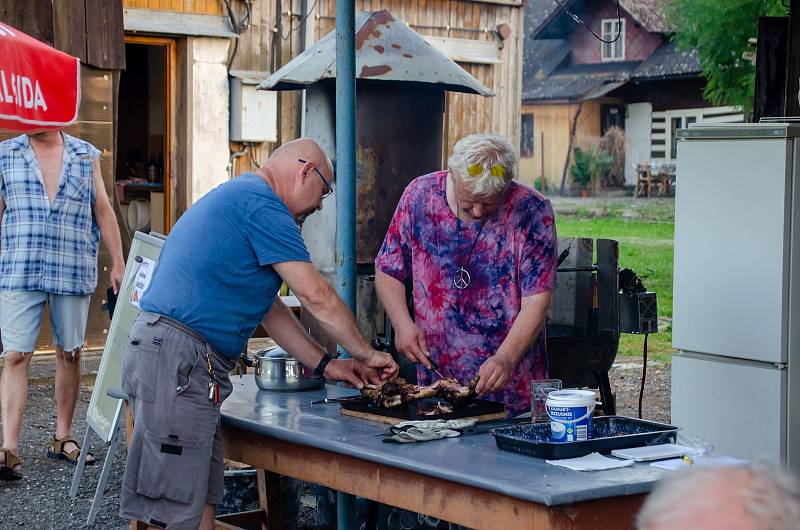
x=540, y=388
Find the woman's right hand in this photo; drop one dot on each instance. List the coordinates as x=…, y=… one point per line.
x=410, y=341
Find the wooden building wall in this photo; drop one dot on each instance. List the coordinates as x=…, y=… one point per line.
x=198, y=7
x=277, y=34
x=90, y=30
x=555, y=121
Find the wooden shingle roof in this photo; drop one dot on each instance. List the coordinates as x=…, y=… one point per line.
x=576, y=82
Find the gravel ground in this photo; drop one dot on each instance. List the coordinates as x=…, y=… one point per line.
x=41, y=501
x=626, y=379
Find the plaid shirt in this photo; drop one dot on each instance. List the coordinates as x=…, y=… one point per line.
x=44, y=247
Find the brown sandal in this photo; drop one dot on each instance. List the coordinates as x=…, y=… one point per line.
x=56, y=451
x=7, y=471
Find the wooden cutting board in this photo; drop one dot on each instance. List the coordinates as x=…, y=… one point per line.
x=477, y=409
x=394, y=421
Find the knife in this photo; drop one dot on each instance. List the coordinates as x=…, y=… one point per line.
x=490, y=425
x=435, y=367
x=347, y=399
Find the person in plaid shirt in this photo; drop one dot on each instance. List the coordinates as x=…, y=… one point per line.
x=53, y=211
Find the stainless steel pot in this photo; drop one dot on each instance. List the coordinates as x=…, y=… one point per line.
x=275, y=369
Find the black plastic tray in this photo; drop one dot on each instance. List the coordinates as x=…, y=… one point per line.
x=610, y=432
x=413, y=411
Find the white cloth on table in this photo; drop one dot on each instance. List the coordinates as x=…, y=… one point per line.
x=591, y=462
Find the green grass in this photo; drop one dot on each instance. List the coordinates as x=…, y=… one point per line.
x=647, y=248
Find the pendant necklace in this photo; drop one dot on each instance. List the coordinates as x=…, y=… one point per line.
x=462, y=278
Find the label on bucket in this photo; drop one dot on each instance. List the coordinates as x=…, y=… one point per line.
x=570, y=413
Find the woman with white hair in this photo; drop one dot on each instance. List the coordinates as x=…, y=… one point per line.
x=480, y=252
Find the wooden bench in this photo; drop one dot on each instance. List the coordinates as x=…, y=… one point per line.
x=650, y=180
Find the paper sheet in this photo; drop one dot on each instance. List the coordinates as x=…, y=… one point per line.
x=142, y=280
x=591, y=462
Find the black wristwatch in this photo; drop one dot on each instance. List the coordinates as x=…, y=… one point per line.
x=323, y=363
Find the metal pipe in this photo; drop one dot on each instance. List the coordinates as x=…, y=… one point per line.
x=346, y=153
x=591, y=268
x=346, y=189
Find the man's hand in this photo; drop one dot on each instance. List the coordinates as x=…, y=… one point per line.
x=352, y=371
x=347, y=370
x=380, y=367
x=410, y=341
x=494, y=373
x=383, y=363
x=116, y=277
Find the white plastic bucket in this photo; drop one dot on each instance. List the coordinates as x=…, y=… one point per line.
x=570, y=413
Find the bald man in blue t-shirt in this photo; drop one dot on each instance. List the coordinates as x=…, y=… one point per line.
x=217, y=279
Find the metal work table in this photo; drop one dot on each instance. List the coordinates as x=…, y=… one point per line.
x=466, y=480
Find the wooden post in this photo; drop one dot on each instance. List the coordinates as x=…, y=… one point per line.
x=543, y=180
x=269, y=497
x=569, y=147
x=793, y=61
x=771, y=68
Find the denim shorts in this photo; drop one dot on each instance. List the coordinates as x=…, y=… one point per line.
x=21, y=318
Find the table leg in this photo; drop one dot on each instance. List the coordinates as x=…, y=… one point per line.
x=372, y=515
x=269, y=497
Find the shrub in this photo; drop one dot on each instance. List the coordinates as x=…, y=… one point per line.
x=613, y=143
x=593, y=164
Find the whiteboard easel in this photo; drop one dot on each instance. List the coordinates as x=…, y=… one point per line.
x=105, y=412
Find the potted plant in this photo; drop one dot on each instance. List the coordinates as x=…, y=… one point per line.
x=590, y=165
x=581, y=171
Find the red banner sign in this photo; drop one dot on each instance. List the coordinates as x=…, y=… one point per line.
x=39, y=85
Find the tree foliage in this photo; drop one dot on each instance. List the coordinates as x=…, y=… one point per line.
x=719, y=31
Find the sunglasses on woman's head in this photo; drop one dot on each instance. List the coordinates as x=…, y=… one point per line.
x=497, y=170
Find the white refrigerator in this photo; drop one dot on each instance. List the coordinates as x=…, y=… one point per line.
x=736, y=306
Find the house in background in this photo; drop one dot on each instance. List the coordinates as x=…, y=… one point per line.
x=576, y=87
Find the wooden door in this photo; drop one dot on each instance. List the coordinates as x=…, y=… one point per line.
x=147, y=103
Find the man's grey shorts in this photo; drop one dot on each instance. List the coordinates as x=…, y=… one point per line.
x=21, y=318
x=174, y=464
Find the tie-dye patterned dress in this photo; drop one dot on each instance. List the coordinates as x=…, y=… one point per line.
x=514, y=256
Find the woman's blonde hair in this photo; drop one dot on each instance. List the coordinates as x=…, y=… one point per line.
x=486, y=150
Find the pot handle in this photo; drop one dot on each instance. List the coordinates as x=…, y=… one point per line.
x=248, y=361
